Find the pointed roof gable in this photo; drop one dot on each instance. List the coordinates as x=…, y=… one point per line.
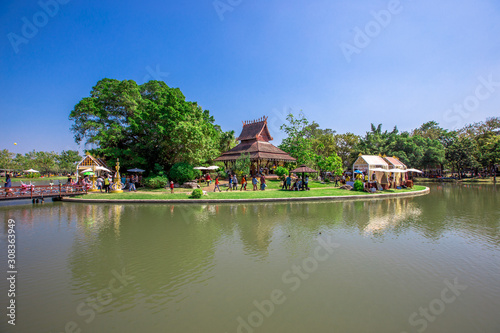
x=255, y=130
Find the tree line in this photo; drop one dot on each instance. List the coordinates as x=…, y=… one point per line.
x=43, y=161
x=473, y=147
x=153, y=127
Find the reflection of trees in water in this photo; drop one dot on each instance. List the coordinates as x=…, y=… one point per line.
x=164, y=252
x=471, y=209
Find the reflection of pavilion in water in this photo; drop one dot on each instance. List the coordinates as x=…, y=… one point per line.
x=389, y=215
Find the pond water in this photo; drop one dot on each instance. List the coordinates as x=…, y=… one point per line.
x=429, y=263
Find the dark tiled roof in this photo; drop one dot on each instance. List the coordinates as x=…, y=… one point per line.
x=254, y=130
x=257, y=150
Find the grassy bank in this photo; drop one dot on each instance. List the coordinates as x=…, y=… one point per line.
x=249, y=194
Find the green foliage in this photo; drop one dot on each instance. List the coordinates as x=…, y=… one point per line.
x=298, y=143
x=183, y=172
x=242, y=165
x=358, y=185
x=332, y=163
x=156, y=181
x=280, y=171
x=197, y=193
x=146, y=124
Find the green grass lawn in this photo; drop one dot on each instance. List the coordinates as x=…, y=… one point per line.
x=249, y=194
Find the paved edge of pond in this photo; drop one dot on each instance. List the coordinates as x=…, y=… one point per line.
x=198, y=201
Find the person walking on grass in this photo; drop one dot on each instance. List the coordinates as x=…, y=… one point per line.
x=235, y=182
x=171, y=187
x=262, y=182
x=243, y=182
x=230, y=187
x=254, y=183
x=217, y=184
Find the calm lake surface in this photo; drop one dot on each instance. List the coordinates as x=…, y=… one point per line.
x=423, y=264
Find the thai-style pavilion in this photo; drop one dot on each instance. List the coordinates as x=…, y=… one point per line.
x=90, y=162
x=254, y=140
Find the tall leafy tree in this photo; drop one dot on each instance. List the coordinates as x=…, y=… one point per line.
x=298, y=143
x=145, y=124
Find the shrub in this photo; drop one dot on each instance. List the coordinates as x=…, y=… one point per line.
x=183, y=172
x=327, y=180
x=280, y=171
x=196, y=194
x=156, y=182
x=358, y=185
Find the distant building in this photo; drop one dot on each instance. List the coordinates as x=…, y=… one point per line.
x=254, y=140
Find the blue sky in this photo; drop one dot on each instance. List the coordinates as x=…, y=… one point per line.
x=242, y=59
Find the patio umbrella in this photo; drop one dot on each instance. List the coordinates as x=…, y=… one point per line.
x=303, y=169
x=200, y=168
x=357, y=171
x=88, y=170
x=414, y=170
x=88, y=173
x=31, y=170
x=212, y=167
x=136, y=170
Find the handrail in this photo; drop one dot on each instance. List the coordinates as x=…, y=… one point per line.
x=36, y=191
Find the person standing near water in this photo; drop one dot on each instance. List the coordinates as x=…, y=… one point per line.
x=171, y=187
x=8, y=185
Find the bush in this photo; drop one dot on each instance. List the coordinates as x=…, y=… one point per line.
x=222, y=174
x=183, y=172
x=327, y=180
x=156, y=182
x=196, y=194
x=280, y=171
x=358, y=185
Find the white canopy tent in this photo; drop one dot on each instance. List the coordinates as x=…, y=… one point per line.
x=372, y=165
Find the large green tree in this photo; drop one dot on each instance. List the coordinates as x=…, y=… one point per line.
x=145, y=124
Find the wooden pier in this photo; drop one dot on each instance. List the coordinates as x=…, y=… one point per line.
x=40, y=192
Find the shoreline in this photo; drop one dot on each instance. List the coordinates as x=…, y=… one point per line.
x=204, y=201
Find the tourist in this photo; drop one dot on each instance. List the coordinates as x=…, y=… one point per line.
x=306, y=183
x=8, y=185
x=243, y=182
x=131, y=187
x=217, y=184
x=99, y=183
x=106, y=183
x=254, y=183
x=262, y=182
x=208, y=179
x=171, y=187
x=336, y=181
x=230, y=187
x=288, y=182
x=235, y=182
x=70, y=180
x=123, y=180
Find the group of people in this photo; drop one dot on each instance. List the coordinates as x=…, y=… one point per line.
x=297, y=185
x=105, y=182
x=233, y=183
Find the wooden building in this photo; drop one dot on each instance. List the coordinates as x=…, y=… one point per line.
x=254, y=141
